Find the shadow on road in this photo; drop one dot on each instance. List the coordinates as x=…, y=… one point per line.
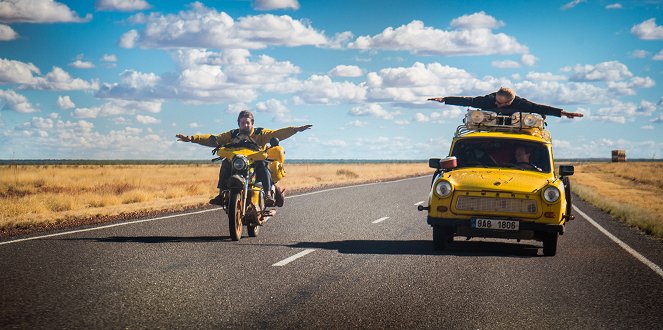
x=458, y=248
x=154, y=239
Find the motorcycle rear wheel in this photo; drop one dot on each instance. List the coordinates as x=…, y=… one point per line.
x=235, y=216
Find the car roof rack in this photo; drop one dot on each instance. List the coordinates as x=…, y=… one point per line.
x=490, y=121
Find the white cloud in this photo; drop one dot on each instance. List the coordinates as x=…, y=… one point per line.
x=65, y=102
x=272, y=106
x=322, y=90
x=373, y=110
x=121, y=5
x=421, y=118
x=203, y=27
x=658, y=56
x=606, y=71
x=474, y=37
x=647, y=127
x=194, y=125
x=346, y=71
x=147, y=120
x=80, y=64
x=128, y=39
x=505, y=64
x=15, y=102
x=204, y=76
x=657, y=120
x=118, y=107
x=619, y=112
x=572, y=4
x=334, y=143
x=476, y=21
x=639, y=53
x=38, y=11
x=601, y=148
x=648, y=30
x=413, y=85
x=109, y=58
x=614, y=6
x=528, y=59
x=275, y=4
x=544, y=76
x=7, y=33
x=17, y=72
x=59, y=79
x=357, y=123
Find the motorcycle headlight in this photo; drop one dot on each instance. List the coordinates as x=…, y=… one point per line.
x=551, y=194
x=443, y=188
x=240, y=163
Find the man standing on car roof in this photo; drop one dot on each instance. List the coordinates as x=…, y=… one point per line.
x=505, y=102
x=246, y=135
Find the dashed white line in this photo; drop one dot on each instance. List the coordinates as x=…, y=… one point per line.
x=380, y=220
x=623, y=245
x=293, y=258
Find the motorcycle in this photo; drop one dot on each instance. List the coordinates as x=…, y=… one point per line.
x=245, y=202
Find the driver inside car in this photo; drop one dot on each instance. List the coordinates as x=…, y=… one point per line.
x=523, y=159
x=247, y=136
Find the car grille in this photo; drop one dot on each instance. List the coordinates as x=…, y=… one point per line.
x=496, y=204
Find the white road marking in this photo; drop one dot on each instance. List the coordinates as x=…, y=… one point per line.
x=623, y=245
x=293, y=258
x=104, y=227
x=419, y=203
x=380, y=220
x=191, y=213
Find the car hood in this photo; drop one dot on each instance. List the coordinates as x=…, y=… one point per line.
x=496, y=179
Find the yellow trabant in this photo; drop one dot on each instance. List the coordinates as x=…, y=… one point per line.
x=499, y=181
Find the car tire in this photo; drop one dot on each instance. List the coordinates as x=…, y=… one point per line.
x=550, y=244
x=442, y=237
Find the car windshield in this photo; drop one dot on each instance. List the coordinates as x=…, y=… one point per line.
x=502, y=153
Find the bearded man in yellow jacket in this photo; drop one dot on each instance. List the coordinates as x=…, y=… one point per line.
x=247, y=135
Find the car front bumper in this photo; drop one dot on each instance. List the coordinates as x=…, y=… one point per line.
x=527, y=229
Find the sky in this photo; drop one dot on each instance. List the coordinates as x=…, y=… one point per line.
x=117, y=79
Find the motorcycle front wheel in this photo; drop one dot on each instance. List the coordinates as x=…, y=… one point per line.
x=235, y=216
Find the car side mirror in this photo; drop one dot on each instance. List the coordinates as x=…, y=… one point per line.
x=566, y=170
x=447, y=163
x=434, y=163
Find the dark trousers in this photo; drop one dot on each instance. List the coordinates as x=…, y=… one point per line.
x=263, y=175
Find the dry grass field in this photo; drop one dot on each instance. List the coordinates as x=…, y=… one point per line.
x=47, y=196
x=631, y=191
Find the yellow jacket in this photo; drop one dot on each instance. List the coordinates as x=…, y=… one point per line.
x=260, y=135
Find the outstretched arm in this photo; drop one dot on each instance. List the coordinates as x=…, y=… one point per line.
x=302, y=128
x=437, y=99
x=183, y=138
x=572, y=114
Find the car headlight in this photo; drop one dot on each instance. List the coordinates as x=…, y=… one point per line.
x=443, y=188
x=240, y=163
x=476, y=117
x=551, y=194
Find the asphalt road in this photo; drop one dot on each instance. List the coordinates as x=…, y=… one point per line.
x=365, y=260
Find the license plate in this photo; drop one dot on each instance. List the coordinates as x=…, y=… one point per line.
x=495, y=224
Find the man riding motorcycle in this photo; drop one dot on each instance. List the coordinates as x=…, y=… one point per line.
x=248, y=136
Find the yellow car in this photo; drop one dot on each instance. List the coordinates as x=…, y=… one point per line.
x=499, y=181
